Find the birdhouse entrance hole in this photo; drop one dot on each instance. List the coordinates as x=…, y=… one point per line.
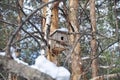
x=62, y=38
x=59, y=41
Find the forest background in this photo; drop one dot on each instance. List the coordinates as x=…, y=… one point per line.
x=93, y=49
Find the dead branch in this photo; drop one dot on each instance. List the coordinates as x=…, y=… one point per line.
x=22, y=70
x=115, y=75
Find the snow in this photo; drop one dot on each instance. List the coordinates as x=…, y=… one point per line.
x=45, y=66
x=84, y=58
x=12, y=51
x=42, y=52
x=2, y=53
x=61, y=4
x=49, y=13
x=106, y=67
x=63, y=29
x=88, y=57
x=118, y=17
x=20, y=61
x=48, y=19
x=63, y=74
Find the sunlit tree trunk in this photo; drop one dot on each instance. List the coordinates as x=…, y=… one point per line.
x=76, y=64
x=54, y=26
x=94, y=64
x=51, y=15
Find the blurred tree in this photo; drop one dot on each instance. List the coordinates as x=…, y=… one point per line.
x=76, y=64
x=93, y=42
x=96, y=21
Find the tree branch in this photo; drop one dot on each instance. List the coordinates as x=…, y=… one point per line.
x=115, y=75
x=22, y=70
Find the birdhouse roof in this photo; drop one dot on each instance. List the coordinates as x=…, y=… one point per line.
x=61, y=30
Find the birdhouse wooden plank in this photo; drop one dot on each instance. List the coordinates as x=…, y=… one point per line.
x=59, y=40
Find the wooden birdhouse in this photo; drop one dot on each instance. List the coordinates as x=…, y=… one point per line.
x=59, y=41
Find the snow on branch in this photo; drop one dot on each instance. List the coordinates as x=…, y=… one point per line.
x=62, y=29
x=41, y=65
x=22, y=70
x=108, y=67
x=88, y=57
x=45, y=66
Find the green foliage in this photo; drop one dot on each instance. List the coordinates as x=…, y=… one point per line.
x=4, y=33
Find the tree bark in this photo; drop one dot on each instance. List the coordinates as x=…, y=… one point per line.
x=22, y=70
x=76, y=64
x=104, y=77
x=93, y=44
x=54, y=26
x=44, y=15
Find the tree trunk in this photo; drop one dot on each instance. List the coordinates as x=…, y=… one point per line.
x=94, y=64
x=53, y=26
x=114, y=76
x=44, y=15
x=47, y=25
x=19, y=70
x=76, y=64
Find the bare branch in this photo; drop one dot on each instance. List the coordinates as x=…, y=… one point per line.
x=115, y=75
x=23, y=70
